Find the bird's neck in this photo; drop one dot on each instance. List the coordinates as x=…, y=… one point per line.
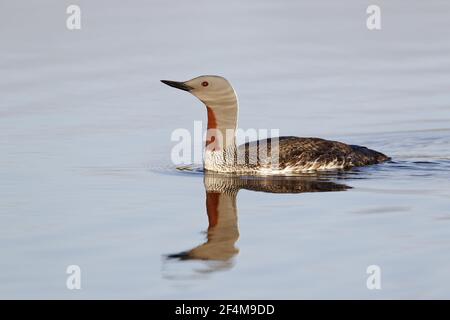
x=221, y=127
x=221, y=133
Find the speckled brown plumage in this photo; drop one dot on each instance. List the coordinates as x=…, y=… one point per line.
x=311, y=153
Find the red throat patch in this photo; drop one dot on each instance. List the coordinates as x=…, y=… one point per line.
x=212, y=121
x=212, y=126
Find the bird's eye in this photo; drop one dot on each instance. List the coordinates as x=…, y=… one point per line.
x=205, y=83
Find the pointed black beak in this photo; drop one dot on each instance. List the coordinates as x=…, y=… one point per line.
x=178, y=85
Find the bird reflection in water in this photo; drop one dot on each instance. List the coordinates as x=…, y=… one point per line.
x=221, y=208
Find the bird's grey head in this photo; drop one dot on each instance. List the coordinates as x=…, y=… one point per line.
x=213, y=91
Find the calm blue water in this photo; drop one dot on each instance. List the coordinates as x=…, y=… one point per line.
x=85, y=169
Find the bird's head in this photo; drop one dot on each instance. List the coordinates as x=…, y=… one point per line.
x=214, y=91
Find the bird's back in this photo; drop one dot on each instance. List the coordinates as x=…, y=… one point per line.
x=302, y=154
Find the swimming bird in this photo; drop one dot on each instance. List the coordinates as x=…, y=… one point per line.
x=267, y=156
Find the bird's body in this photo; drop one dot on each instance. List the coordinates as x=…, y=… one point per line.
x=290, y=155
x=267, y=156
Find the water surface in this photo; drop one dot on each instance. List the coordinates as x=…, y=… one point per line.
x=85, y=169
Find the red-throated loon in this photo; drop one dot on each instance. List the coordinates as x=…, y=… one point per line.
x=267, y=156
